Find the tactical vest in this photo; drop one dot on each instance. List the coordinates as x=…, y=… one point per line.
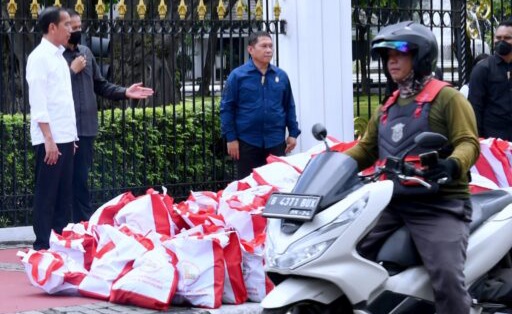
x=398, y=125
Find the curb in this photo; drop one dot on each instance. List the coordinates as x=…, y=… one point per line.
x=17, y=235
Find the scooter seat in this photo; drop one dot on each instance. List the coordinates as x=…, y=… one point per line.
x=399, y=251
x=486, y=204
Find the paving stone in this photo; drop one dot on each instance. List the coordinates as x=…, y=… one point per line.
x=12, y=267
x=97, y=305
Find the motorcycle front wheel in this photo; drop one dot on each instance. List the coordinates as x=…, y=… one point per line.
x=339, y=306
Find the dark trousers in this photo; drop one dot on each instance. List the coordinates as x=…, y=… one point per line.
x=440, y=231
x=253, y=157
x=53, y=194
x=82, y=163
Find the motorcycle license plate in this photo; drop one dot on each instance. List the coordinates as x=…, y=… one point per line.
x=291, y=206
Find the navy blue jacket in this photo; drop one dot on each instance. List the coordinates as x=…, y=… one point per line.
x=258, y=108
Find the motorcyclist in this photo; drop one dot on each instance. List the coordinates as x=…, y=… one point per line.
x=438, y=222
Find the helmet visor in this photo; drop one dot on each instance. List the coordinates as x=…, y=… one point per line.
x=402, y=46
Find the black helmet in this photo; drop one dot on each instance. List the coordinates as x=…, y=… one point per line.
x=408, y=36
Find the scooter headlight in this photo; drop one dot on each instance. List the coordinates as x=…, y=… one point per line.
x=314, y=244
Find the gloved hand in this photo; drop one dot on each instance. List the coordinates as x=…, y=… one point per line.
x=445, y=168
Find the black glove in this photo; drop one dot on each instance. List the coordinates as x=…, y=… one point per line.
x=445, y=168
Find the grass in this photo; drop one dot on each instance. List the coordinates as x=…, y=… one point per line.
x=367, y=105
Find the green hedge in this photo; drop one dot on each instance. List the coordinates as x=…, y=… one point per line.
x=177, y=146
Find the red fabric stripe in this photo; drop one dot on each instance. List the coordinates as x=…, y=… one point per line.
x=160, y=215
x=233, y=258
x=35, y=260
x=105, y=249
x=502, y=158
x=218, y=273
x=107, y=216
x=484, y=169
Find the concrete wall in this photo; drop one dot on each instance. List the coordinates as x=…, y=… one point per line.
x=316, y=54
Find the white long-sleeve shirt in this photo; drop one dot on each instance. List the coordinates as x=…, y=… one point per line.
x=50, y=94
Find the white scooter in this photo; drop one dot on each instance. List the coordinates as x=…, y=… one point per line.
x=313, y=232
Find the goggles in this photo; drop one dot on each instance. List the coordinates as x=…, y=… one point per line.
x=402, y=46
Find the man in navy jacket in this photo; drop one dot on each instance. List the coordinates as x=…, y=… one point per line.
x=257, y=108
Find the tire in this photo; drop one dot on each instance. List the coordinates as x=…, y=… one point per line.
x=339, y=306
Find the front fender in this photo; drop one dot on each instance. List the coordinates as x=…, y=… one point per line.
x=293, y=290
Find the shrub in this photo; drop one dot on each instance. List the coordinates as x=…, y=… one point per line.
x=177, y=146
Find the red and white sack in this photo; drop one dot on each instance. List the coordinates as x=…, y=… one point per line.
x=257, y=283
x=234, y=291
x=115, y=254
x=146, y=213
x=234, y=284
x=151, y=283
x=493, y=162
x=48, y=271
x=280, y=175
x=297, y=161
x=205, y=200
x=480, y=183
x=243, y=211
x=193, y=215
x=201, y=271
x=78, y=247
x=237, y=186
x=105, y=214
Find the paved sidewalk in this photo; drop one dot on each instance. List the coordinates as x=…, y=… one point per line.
x=19, y=296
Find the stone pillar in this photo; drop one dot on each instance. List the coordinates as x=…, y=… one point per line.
x=316, y=52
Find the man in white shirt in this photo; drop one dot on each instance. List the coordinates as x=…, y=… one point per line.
x=52, y=126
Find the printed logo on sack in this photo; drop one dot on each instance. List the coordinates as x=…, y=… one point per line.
x=398, y=132
x=190, y=272
x=149, y=266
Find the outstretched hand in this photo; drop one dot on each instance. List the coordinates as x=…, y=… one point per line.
x=137, y=91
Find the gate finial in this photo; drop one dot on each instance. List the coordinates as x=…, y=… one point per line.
x=79, y=7
x=182, y=9
x=12, y=7
x=57, y=4
x=221, y=10
x=277, y=10
x=34, y=9
x=240, y=9
x=100, y=9
x=162, y=9
x=141, y=9
x=258, y=11
x=121, y=9
x=201, y=10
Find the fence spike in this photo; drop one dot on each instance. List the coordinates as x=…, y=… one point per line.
x=100, y=9
x=162, y=9
x=182, y=9
x=12, y=7
x=201, y=10
x=277, y=10
x=141, y=9
x=240, y=9
x=121, y=9
x=258, y=10
x=221, y=10
x=57, y=4
x=79, y=7
x=34, y=9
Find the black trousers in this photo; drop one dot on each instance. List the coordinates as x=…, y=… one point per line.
x=53, y=194
x=253, y=157
x=82, y=164
x=440, y=231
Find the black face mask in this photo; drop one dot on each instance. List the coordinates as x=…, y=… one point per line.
x=502, y=48
x=75, y=38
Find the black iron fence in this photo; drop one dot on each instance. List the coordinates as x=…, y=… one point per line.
x=183, y=49
x=464, y=29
